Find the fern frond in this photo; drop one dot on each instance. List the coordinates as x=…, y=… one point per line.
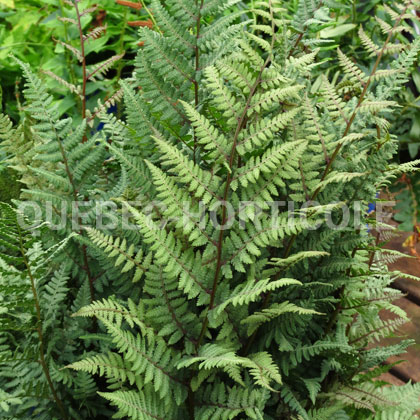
x=388, y=29
x=100, y=69
x=267, y=163
x=335, y=104
x=273, y=311
x=221, y=402
x=110, y=365
x=95, y=33
x=138, y=405
x=266, y=100
x=175, y=200
x=208, y=135
x=201, y=183
x=222, y=97
x=212, y=356
x=77, y=54
x=237, y=73
x=252, y=291
x=263, y=369
x=285, y=263
x=352, y=71
x=116, y=248
x=108, y=310
x=168, y=252
x=264, y=131
x=77, y=90
x=152, y=362
x=368, y=43
x=167, y=308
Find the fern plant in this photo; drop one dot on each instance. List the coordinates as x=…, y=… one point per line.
x=60, y=160
x=216, y=303
x=61, y=164
x=260, y=319
x=35, y=335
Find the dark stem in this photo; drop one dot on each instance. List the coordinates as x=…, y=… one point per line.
x=354, y=10
x=239, y=127
x=69, y=174
x=305, y=189
x=66, y=51
x=121, y=63
x=82, y=48
x=191, y=404
x=373, y=252
x=74, y=192
x=84, y=248
x=299, y=38
x=191, y=401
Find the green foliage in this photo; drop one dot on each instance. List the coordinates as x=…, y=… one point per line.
x=272, y=317
x=406, y=195
x=9, y=185
x=360, y=30
x=34, y=333
x=249, y=315
x=52, y=23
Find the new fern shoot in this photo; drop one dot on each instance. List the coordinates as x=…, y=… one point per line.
x=218, y=304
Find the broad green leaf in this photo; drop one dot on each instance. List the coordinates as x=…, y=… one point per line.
x=337, y=31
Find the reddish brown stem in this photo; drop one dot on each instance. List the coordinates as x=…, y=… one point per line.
x=197, y=68
x=141, y=23
x=131, y=4
x=299, y=38
x=82, y=50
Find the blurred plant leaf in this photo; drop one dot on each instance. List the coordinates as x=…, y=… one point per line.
x=339, y=30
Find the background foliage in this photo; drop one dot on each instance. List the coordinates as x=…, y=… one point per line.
x=32, y=29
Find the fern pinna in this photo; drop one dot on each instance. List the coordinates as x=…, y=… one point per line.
x=224, y=306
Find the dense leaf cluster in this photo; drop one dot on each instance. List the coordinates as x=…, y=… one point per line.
x=270, y=318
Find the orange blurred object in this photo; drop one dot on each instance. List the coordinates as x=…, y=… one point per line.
x=99, y=18
x=131, y=4
x=412, y=241
x=147, y=23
